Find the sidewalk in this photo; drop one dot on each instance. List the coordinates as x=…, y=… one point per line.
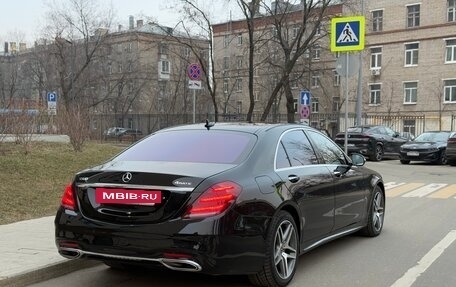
x=28, y=253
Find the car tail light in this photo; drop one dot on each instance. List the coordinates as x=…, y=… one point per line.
x=68, y=198
x=214, y=200
x=452, y=140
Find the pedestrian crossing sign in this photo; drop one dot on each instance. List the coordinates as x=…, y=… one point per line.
x=347, y=34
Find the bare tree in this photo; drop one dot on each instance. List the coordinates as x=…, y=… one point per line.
x=79, y=29
x=199, y=19
x=296, y=30
x=250, y=9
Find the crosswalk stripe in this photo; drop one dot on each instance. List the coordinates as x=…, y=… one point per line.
x=403, y=189
x=425, y=190
x=445, y=192
x=390, y=185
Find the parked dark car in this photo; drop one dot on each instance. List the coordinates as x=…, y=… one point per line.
x=123, y=133
x=374, y=142
x=220, y=199
x=428, y=146
x=451, y=149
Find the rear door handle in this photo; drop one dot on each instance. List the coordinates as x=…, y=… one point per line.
x=293, y=178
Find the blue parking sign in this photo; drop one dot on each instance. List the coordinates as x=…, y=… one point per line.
x=52, y=97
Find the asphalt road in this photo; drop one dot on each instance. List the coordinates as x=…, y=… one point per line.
x=416, y=248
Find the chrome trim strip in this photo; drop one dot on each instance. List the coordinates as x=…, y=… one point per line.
x=172, y=264
x=136, y=186
x=332, y=237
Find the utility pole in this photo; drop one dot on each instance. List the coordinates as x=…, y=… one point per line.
x=359, y=95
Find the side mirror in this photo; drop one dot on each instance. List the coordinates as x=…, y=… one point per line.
x=396, y=134
x=358, y=159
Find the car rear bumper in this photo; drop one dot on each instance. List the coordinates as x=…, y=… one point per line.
x=201, y=246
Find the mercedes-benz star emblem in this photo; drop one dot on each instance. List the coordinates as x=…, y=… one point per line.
x=126, y=177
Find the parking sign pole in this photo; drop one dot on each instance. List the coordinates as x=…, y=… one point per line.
x=194, y=106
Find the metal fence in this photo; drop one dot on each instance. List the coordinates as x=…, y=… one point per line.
x=332, y=122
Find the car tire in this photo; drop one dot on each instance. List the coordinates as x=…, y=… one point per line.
x=442, y=158
x=282, y=252
x=376, y=214
x=403, y=161
x=378, y=153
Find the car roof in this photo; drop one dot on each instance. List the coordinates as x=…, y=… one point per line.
x=253, y=128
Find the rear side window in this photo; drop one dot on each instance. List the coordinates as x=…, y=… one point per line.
x=294, y=150
x=327, y=149
x=198, y=146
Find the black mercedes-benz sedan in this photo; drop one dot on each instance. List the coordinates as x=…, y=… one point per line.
x=220, y=199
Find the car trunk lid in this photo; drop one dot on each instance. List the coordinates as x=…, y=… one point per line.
x=140, y=192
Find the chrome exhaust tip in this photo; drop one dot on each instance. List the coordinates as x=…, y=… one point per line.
x=70, y=253
x=181, y=265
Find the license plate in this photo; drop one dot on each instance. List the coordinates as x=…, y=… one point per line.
x=127, y=196
x=413, y=153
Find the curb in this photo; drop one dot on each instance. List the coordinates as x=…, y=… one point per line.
x=46, y=273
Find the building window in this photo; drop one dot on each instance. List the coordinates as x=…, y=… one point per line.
x=410, y=126
x=375, y=93
x=294, y=81
x=128, y=47
x=450, y=91
x=239, y=39
x=165, y=67
x=164, y=49
x=226, y=63
x=450, y=56
x=295, y=32
x=256, y=96
x=110, y=68
x=410, y=92
x=239, y=85
x=225, y=86
x=376, y=58
x=316, y=52
x=120, y=66
x=411, y=54
x=377, y=20
x=315, y=106
x=336, y=79
x=336, y=104
x=239, y=60
x=295, y=105
x=318, y=30
x=451, y=10
x=413, y=16
x=239, y=107
x=226, y=41
x=130, y=67
x=315, y=81
x=187, y=52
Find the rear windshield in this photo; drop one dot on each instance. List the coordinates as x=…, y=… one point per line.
x=199, y=146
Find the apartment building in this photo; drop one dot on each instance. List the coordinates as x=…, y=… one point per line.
x=409, y=61
x=139, y=69
x=314, y=70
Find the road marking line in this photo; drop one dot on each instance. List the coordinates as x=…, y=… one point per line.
x=413, y=273
x=390, y=185
x=446, y=192
x=403, y=189
x=425, y=190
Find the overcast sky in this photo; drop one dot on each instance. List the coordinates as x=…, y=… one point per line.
x=28, y=16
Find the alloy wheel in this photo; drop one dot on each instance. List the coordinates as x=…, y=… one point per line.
x=285, y=249
x=378, y=211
